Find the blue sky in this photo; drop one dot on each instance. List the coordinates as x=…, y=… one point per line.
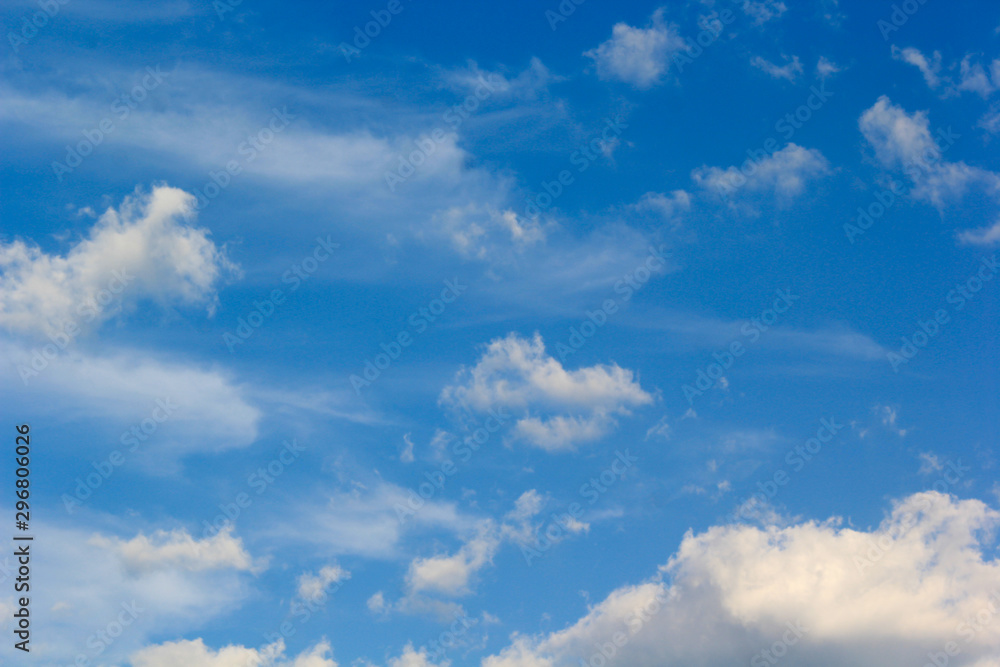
x=513, y=335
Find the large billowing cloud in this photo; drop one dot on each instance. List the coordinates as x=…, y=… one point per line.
x=143, y=250
x=925, y=581
x=517, y=373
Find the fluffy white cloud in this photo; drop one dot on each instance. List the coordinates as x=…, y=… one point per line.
x=143, y=250
x=176, y=549
x=789, y=71
x=194, y=653
x=782, y=174
x=450, y=575
x=638, y=56
x=886, y=596
x=312, y=587
x=517, y=373
x=904, y=142
x=160, y=584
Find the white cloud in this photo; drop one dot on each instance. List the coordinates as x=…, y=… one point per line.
x=977, y=79
x=413, y=658
x=983, y=236
x=929, y=67
x=529, y=84
x=142, y=250
x=886, y=596
x=904, y=142
x=826, y=68
x=485, y=233
x=638, y=56
x=670, y=206
x=517, y=373
x=210, y=411
x=406, y=456
x=991, y=120
x=160, y=584
x=783, y=174
x=929, y=462
x=194, y=653
x=762, y=11
x=312, y=587
x=451, y=575
x=789, y=71
x=369, y=522
x=176, y=549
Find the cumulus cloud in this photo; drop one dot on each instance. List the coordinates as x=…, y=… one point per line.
x=154, y=584
x=782, y=174
x=142, y=250
x=834, y=595
x=903, y=142
x=450, y=575
x=313, y=587
x=517, y=373
x=194, y=653
x=176, y=549
x=638, y=56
